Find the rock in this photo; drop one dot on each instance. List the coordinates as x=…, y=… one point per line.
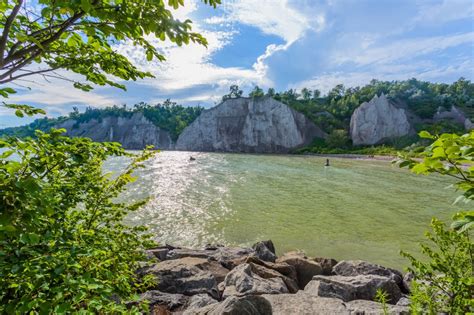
x=362, y=287
x=326, y=264
x=407, y=279
x=304, y=304
x=268, y=273
x=404, y=301
x=360, y=267
x=188, y=276
x=378, y=120
x=305, y=268
x=230, y=257
x=283, y=268
x=186, y=252
x=248, y=305
x=255, y=125
x=165, y=301
x=159, y=253
x=365, y=307
x=265, y=251
x=244, y=280
x=135, y=132
x=198, y=301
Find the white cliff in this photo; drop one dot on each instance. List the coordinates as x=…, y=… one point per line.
x=261, y=125
x=378, y=120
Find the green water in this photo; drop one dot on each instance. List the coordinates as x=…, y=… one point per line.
x=354, y=209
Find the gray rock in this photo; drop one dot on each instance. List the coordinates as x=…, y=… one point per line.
x=404, y=301
x=260, y=125
x=282, y=268
x=364, y=307
x=360, y=267
x=230, y=257
x=304, y=304
x=246, y=305
x=305, y=268
x=265, y=251
x=199, y=301
x=159, y=253
x=135, y=132
x=186, y=252
x=407, y=279
x=244, y=280
x=188, y=276
x=326, y=264
x=378, y=120
x=363, y=287
x=166, y=301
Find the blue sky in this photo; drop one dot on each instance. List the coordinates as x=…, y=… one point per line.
x=286, y=44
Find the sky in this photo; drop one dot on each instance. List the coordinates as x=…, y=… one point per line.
x=284, y=44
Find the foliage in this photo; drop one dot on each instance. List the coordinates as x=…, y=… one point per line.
x=451, y=155
x=444, y=284
x=338, y=138
x=256, y=92
x=63, y=246
x=168, y=116
x=381, y=296
x=234, y=92
x=422, y=98
x=80, y=35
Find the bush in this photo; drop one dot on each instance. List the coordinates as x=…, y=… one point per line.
x=63, y=247
x=444, y=284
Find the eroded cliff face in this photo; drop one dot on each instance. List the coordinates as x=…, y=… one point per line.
x=378, y=120
x=261, y=125
x=134, y=133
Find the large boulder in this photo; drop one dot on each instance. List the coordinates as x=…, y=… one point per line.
x=363, y=287
x=265, y=250
x=188, y=276
x=305, y=267
x=247, y=279
x=134, y=132
x=378, y=120
x=304, y=304
x=374, y=308
x=360, y=267
x=248, y=305
x=163, y=302
x=282, y=268
x=256, y=125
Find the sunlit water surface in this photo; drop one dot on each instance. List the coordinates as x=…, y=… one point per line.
x=354, y=209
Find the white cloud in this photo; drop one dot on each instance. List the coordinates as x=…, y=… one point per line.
x=446, y=11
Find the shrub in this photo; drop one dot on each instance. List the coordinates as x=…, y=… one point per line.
x=63, y=247
x=443, y=284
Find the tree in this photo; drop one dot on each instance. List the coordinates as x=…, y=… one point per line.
x=306, y=94
x=234, y=92
x=79, y=36
x=316, y=94
x=256, y=92
x=63, y=246
x=270, y=92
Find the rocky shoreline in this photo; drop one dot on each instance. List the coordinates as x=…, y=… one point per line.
x=254, y=281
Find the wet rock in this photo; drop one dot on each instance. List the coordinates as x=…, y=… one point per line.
x=188, y=276
x=305, y=268
x=359, y=267
x=362, y=287
x=248, y=305
x=244, y=280
x=364, y=307
x=265, y=251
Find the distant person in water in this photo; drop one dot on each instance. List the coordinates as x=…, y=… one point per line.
x=192, y=159
x=327, y=162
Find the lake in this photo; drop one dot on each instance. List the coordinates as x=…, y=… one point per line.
x=354, y=209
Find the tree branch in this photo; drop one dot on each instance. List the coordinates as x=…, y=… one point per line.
x=6, y=29
x=26, y=74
